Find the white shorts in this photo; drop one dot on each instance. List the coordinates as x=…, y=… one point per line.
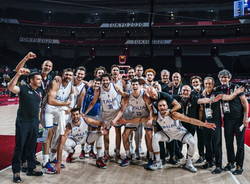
x=55, y=115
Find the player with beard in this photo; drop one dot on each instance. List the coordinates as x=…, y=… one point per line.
x=116, y=79
x=77, y=133
x=171, y=129
x=110, y=98
x=136, y=105
x=59, y=100
x=79, y=85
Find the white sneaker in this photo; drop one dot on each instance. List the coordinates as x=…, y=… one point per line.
x=155, y=166
x=190, y=167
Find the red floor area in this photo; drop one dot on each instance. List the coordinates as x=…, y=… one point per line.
x=7, y=143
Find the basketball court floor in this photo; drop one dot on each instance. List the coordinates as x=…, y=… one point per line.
x=85, y=171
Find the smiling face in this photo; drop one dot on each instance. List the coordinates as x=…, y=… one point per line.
x=150, y=76
x=80, y=74
x=208, y=85
x=196, y=83
x=99, y=73
x=176, y=78
x=75, y=116
x=186, y=91
x=224, y=80
x=47, y=66
x=162, y=107
x=131, y=73
x=105, y=82
x=67, y=76
x=36, y=81
x=164, y=76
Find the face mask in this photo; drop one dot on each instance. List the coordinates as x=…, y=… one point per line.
x=197, y=87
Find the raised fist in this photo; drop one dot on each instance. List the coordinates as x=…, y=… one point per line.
x=30, y=55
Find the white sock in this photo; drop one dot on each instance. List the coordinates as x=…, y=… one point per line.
x=52, y=156
x=151, y=155
x=99, y=152
x=45, y=159
x=82, y=147
x=127, y=153
x=157, y=157
x=189, y=161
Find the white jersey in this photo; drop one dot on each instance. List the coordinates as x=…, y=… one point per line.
x=128, y=87
x=137, y=107
x=78, y=90
x=64, y=92
x=118, y=83
x=110, y=102
x=172, y=128
x=79, y=133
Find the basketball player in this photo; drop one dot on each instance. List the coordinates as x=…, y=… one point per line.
x=79, y=85
x=136, y=105
x=60, y=96
x=171, y=129
x=116, y=79
x=77, y=133
x=110, y=98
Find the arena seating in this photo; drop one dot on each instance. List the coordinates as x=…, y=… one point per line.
x=6, y=99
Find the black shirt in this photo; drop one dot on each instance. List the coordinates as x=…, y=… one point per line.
x=29, y=103
x=216, y=111
x=164, y=87
x=161, y=96
x=189, y=106
x=236, y=108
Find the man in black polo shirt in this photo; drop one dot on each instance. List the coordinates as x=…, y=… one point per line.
x=26, y=122
x=235, y=122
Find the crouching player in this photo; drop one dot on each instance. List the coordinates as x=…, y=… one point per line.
x=77, y=133
x=169, y=128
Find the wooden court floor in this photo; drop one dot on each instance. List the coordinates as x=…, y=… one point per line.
x=85, y=171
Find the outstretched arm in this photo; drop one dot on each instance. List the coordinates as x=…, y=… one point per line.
x=92, y=121
x=183, y=118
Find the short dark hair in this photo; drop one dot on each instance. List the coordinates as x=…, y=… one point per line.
x=115, y=66
x=106, y=75
x=97, y=79
x=99, y=68
x=195, y=77
x=32, y=75
x=67, y=70
x=135, y=80
x=75, y=109
x=138, y=66
x=81, y=68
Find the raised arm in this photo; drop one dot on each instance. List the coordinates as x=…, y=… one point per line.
x=12, y=85
x=21, y=64
x=233, y=95
x=183, y=118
